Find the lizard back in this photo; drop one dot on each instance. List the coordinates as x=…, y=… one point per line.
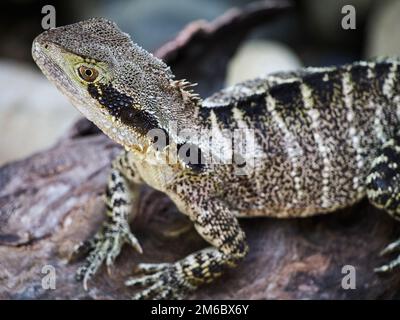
x=316, y=132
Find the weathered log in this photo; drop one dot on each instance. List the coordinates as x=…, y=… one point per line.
x=52, y=200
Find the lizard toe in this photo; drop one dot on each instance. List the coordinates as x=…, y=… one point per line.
x=392, y=247
x=168, y=282
x=151, y=268
x=394, y=264
x=159, y=291
x=93, y=262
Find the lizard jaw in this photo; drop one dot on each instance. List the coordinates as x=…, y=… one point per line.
x=48, y=57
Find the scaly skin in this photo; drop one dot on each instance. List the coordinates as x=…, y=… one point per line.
x=316, y=140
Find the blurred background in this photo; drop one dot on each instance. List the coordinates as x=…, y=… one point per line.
x=33, y=114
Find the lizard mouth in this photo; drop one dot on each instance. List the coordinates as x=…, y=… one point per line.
x=48, y=57
x=51, y=68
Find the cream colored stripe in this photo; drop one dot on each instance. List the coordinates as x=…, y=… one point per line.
x=323, y=150
x=354, y=132
x=292, y=147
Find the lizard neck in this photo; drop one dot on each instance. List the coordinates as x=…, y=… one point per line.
x=177, y=128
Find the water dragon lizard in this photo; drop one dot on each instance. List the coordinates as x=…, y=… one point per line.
x=323, y=138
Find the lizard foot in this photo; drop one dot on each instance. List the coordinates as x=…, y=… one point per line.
x=164, y=281
x=175, y=280
x=392, y=247
x=105, y=246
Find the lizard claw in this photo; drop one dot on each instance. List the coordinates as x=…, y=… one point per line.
x=118, y=239
x=105, y=247
x=134, y=242
x=389, y=267
x=392, y=247
x=117, y=242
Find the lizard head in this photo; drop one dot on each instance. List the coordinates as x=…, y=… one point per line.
x=116, y=84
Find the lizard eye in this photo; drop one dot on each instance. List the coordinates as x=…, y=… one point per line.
x=88, y=74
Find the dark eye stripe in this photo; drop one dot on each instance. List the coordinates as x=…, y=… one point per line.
x=121, y=106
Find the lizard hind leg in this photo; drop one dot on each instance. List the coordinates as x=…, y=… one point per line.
x=383, y=190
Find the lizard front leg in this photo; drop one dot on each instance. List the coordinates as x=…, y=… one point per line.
x=121, y=194
x=383, y=190
x=216, y=224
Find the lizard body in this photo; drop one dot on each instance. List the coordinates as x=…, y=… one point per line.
x=317, y=139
